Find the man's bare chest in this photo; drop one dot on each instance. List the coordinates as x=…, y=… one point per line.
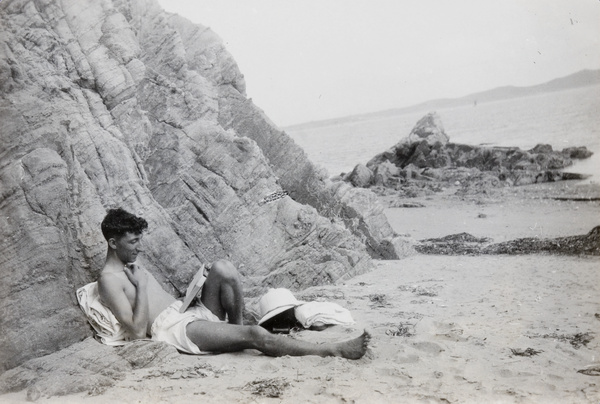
x=125, y=285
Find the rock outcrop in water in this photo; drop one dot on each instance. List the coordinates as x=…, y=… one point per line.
x=426, y=159
x=110, y=103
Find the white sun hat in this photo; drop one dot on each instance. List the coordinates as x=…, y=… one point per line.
x=275, y=302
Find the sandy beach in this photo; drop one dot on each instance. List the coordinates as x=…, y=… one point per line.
x=445, y=329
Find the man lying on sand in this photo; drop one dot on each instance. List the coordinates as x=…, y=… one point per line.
x=145, y=309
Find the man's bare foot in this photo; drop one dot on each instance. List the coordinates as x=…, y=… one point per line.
x=354, y=348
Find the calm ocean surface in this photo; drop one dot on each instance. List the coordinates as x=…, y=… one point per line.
x=561, y=119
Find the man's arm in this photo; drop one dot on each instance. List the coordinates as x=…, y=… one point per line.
x=112, y=291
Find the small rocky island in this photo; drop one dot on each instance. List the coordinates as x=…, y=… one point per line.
x=426, y=161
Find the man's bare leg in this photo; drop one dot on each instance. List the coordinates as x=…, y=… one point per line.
x=222, y=292
x=223, y=337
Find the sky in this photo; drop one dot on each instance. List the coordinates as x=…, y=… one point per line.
x=310, y=60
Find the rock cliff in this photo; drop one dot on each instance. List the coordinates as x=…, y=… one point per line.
x=108, y=103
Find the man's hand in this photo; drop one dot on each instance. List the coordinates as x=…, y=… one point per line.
x=137, y=276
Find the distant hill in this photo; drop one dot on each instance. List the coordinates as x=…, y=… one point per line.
x=582, y=78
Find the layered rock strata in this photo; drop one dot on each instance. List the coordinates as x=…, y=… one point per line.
x=356, y=209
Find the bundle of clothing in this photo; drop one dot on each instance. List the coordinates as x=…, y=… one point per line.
x=280, y=311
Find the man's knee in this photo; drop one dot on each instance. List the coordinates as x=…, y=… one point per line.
x=225, y=270
x=258, y=334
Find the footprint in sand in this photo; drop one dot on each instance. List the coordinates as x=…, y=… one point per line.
x=267, y=368
x=428, y=347
x=510, y=373
x=448, y=331
x=406, y=358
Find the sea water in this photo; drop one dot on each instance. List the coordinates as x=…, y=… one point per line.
x=562, y=119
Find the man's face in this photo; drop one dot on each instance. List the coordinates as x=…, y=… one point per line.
x=128, y=247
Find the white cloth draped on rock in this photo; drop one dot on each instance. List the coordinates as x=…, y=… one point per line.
x=103, y=321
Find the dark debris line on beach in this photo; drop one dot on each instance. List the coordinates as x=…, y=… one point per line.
x=466, y=244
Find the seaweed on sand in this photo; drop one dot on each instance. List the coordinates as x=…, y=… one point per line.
x=268, y=387
x=525, y=352
x=418, y=290
x=378, y=300
x=592, y=370
x=402, y=330
x=576, y=340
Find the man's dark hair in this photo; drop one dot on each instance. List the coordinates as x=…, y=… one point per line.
x=118, y=221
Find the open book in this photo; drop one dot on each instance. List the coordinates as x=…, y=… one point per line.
x=193, y=289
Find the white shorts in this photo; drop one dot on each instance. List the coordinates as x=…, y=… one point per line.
x=170, y=325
